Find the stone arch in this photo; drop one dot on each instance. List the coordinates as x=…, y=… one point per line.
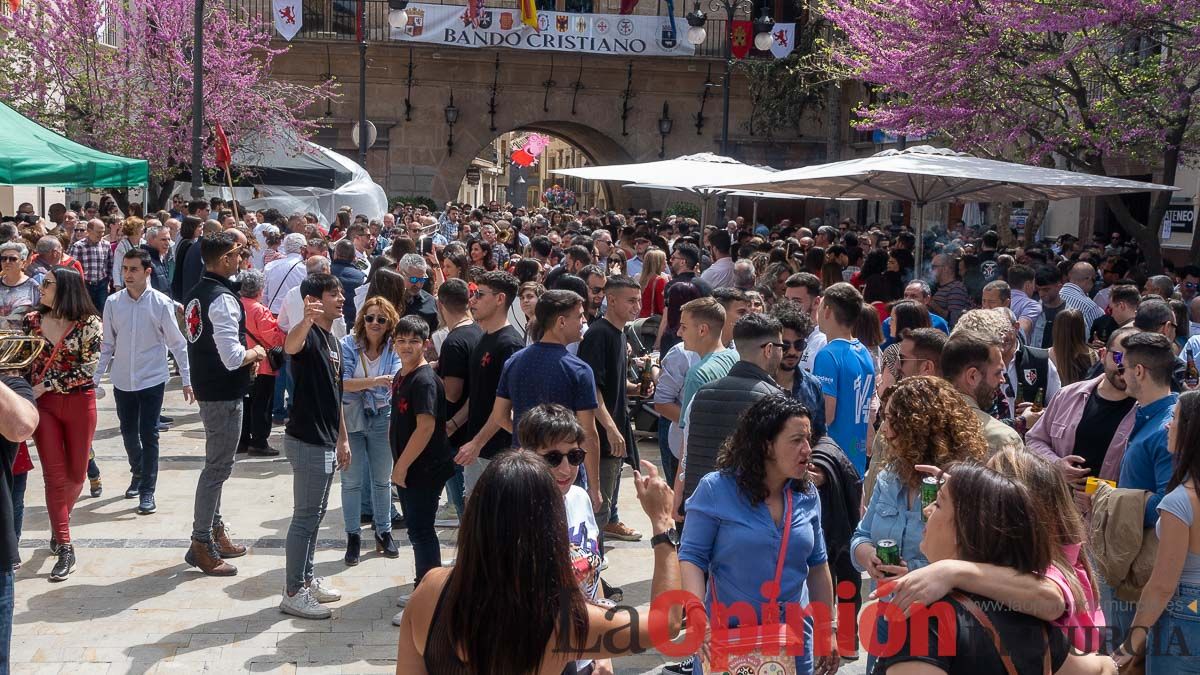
x=599, y=148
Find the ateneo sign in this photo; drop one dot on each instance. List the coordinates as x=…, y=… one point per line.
x=601, y=34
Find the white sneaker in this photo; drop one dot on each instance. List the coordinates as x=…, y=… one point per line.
x=402, y=601
x=303, y=605
x=322, y=592
x=396, y=619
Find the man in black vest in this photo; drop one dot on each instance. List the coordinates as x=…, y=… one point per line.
x=215, y=326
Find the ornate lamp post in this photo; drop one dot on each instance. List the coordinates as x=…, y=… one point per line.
x=451, y=118
x=664, y=129
x=762, y=40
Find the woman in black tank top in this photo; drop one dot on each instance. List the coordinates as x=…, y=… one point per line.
x=512, y=605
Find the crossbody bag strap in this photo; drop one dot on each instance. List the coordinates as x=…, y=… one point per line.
x=281, y=283
x=783, y=545
x=986, y=623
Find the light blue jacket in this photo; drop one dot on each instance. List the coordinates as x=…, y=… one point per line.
x=889, y=516
x=376, y=397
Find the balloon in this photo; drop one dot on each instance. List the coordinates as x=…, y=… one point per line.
x=536, y=143
x=523, y=158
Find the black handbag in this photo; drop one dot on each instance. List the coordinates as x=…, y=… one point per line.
x=275, y=355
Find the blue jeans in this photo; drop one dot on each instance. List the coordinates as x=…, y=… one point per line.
x=6, y=617
x=420, y=502
x=18, y=496
x=98, y=292
x=312, y=476
x=456, y=488
x=670, y=464
x=138, y=413
x=1174, y=642
x=283, y=383
x=1119, y=614
x=371, y=450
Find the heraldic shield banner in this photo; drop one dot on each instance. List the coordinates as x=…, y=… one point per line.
x=601, y=34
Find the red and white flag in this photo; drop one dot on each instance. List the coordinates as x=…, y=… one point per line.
x=221, y=146
x=783, y=39
x=289, y=17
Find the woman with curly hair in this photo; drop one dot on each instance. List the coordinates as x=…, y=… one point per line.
x=925, y=421
x=759, y=506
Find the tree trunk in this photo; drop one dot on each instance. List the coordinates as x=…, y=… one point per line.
x=1003, y=211
x=1146, y=237
x=1037, y=216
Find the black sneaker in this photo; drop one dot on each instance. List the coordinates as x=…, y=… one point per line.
x=135, y=485
x=684, y=667
x=264, y=451
x=66, y=563
x=612, y=593
x=146, y=505
x=165, y=420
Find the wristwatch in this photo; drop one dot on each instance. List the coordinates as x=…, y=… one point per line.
x=669, y=537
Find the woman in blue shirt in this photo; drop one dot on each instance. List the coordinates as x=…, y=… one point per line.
x=925, y=421
x=736, y=520
x=368, y=365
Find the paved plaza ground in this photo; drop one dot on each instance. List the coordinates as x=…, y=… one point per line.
x=134, y=606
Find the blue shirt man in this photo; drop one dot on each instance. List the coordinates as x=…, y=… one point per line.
x=1147, y=464
x=846, y=371
x=937, y=321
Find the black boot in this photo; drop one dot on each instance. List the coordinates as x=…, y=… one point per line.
x=353, y=546
x=66, y=563
x=385, y=545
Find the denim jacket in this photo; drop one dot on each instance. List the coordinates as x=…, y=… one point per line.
x=889, y=516
x=376, y=397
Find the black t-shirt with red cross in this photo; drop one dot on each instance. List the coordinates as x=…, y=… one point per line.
x=486, y=365
x=421, y=393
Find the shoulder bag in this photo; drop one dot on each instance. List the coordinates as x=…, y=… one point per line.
x=983, y=620
x=765, y=648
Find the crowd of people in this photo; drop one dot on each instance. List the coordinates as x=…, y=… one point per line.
x=1009, y=433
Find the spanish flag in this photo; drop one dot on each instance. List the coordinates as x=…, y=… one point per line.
x=529, y=15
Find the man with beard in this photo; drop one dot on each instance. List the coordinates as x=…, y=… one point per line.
x=1085, y=428
x=972, y=362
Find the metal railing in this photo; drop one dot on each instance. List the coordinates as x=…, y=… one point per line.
x=338, y=19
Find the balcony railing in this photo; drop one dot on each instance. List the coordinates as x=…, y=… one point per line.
x=338, y=19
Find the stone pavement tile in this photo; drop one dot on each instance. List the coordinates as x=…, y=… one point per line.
x=245, y=655
x=37, y=668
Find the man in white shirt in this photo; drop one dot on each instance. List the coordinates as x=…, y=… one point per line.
x=720, y=273
x=805, y=289
x=286, y=273
x=139, y=327
x=292, y=310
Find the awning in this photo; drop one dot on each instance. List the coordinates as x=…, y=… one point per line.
x=31, y=154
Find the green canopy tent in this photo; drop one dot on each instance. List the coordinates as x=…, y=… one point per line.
x=31, y=154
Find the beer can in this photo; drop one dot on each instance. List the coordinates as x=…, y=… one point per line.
x=929, y=492
x=888, y=551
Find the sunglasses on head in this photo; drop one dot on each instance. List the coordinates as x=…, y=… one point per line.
x=375, y=318
x=574, y=457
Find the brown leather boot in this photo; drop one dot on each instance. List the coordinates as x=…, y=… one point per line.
x=225, y=545
x=203, y=555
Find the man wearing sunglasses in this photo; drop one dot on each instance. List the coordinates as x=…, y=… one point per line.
x=414, y=273
x=1189, y=283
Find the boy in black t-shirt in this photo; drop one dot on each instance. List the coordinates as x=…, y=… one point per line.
x=315, y=440
x=418, y=433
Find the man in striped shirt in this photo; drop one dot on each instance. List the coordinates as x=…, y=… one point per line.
x=950, y=299
x=1080, y=281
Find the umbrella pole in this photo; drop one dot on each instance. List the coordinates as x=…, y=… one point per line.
x=754, y=216
x=919, y=272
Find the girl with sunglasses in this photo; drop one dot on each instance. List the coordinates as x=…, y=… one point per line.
x=553, y=433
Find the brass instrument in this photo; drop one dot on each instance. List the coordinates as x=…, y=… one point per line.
x=18, y=350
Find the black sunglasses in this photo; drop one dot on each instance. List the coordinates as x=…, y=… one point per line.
x=373, y=318
x=573, y=457
x=798, y=345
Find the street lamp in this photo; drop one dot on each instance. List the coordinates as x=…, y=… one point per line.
x=664, y=128
x=451, y=118
x=197, y=99
x=697, y=35
x=397, y=16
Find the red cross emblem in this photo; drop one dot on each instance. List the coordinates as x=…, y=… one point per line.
x=487, y=358
x=288, y=15
x=402, y=405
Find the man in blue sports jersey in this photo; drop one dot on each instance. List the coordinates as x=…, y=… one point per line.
x=846, y=371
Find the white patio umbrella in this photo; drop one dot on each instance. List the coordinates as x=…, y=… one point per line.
x=924, y=175
x=707, y=193
x=690, y=173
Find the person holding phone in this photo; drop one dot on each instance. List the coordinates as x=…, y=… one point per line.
x=315, y=441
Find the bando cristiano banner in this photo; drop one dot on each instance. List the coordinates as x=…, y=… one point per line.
x=603, y=34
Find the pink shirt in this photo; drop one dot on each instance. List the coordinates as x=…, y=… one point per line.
x=1083, y=625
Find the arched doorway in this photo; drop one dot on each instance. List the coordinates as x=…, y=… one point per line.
x=572, y=144
x=517, y=168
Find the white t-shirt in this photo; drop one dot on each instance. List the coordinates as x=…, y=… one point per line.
x=586, y=558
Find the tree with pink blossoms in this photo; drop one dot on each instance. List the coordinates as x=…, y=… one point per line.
x=1106, y=85
x=117, y=75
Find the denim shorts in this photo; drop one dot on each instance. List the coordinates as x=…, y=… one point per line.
x=1174, y=647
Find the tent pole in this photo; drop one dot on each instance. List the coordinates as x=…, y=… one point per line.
x=920, y=263
x=754, y=216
